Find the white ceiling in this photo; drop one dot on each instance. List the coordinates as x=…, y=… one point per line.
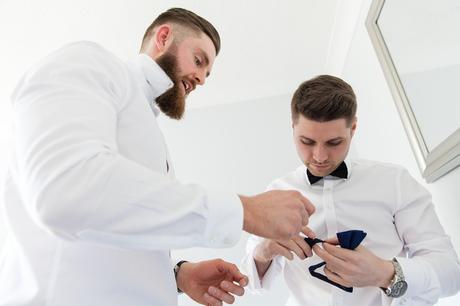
x=268, y=47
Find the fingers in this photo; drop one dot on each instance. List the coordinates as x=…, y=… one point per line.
x=237, y=276
x=308, y=232
x=281, y=250
x=333, y=262
x=335, y=277
x=308, y=210
x=232, y=288
x=307, y=204
x=341, y=253
x=333, y=240
x=293, y=247
x=303, y=245
x=305, y=217
x=210, y=300
x=325, y=254
x=221, y=295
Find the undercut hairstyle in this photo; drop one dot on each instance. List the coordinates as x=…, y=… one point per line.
x=324, y=98
x=186, y=19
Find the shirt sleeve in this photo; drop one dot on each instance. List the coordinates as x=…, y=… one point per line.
x=76, y=184
x=256, y=284
x=432, y=268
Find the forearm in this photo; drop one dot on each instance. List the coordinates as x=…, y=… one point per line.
x=137, y=208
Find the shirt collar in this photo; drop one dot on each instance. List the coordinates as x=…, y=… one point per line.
x=154, y=80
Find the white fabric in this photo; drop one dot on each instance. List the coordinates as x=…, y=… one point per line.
x=91, y=207
x=398, y=215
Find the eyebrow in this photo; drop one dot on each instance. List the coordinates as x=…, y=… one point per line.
x=335, y=139
x=329, y=140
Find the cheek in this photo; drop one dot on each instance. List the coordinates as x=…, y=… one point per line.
x=338, y=152
x=303, y=151
x=187, y=65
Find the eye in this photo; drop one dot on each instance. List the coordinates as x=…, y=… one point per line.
x=307, y=142
x=197, y=61
x=334, y=143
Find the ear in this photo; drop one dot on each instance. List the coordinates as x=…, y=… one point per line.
x=353, y=126
x=163, y=38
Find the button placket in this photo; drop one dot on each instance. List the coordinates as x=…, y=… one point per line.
x=329, y=209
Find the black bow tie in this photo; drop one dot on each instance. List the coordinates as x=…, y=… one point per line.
x=341, y=171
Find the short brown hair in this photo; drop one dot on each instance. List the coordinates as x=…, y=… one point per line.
x=186, y=19
x=324, y=98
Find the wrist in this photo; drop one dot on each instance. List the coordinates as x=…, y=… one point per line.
x=398, y=284
x=262, y=253
x=247, y=215
x=388, y=272
x=182, y=272
x=262, y=265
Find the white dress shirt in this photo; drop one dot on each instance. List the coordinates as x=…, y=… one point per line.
x=92, y=210
x=398, y=215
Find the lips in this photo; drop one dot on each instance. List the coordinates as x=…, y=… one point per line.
x=320, y=166
x=188, y=86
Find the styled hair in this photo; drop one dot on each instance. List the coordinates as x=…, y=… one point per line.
x=187, y=19
x=324, y=98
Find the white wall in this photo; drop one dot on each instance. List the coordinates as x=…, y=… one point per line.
x=239, y=147
x=255, y=139
x=243, y=146
x=381, y=135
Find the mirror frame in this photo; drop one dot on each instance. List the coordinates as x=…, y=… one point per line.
x=444, y=157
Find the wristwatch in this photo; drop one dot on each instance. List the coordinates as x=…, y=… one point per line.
x=398, y=285
x=176, y=271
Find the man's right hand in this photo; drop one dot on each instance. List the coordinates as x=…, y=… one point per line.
x=277, y=214
x=268, y=249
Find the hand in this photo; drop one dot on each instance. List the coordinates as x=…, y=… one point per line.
x=211, y=282
x=276, y=214
x=354, y=268
x=269, y=249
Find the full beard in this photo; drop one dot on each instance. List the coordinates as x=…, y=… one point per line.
x=172, y=101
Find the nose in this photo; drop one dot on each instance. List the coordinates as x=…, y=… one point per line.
x=320, y=154
x=200, y=77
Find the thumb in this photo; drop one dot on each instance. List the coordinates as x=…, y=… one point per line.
x=235, y=273
x=332, y=240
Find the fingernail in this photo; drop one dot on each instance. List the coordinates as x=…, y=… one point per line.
x=212, y=290
x=225, y=285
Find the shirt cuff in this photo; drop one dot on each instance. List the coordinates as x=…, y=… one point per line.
x=255, y=283
x=421, y=280
x=225, y=220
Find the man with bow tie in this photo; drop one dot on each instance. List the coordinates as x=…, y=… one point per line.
x=382, y=235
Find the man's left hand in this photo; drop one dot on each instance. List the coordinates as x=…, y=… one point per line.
x=354, y=268
x=211, y=282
